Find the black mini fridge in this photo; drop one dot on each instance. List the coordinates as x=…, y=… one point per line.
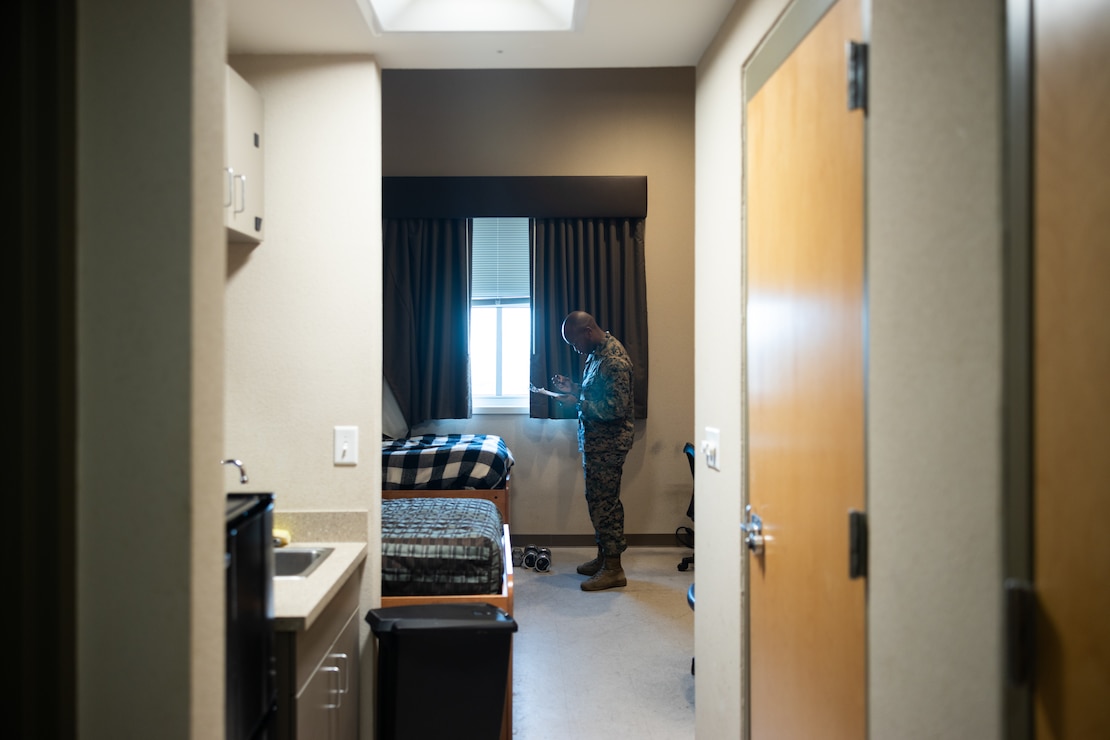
x=251, y=664
x=443, y=670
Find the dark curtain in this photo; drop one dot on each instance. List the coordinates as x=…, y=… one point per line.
x=425, y=316
x=594, y=265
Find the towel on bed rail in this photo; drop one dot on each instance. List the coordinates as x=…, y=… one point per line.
x=443, y=462
x=440, y=546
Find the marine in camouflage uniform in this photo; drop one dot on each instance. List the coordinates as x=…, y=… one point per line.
x=605, y=435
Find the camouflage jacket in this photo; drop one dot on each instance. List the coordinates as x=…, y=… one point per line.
x=605, y=399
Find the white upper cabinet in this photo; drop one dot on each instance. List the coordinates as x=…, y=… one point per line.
x=243, y=188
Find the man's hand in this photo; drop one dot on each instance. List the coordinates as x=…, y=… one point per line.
x=562, y=383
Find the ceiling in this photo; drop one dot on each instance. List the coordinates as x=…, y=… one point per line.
x=613, y=33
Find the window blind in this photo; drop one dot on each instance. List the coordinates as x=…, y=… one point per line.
x=499, y=265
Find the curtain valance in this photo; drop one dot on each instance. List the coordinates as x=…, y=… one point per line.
x=530, y=197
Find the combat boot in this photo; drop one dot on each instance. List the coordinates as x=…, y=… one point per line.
x=611, y=575
x=591, y=567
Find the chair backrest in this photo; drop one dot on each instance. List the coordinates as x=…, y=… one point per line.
x=689, y=450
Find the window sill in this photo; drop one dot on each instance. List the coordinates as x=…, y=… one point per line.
x=506, y=405
x=478, y=410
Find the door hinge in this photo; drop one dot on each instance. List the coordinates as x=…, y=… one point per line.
x=1021, y=611
x=857, y=544
x=856, y=53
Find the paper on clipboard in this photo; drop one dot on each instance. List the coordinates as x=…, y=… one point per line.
x=544, y=391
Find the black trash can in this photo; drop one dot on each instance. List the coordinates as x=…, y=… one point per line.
x=443, y=670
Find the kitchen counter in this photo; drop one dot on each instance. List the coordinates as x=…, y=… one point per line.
x=298, y=602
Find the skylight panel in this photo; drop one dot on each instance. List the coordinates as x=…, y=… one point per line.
x=474, y=16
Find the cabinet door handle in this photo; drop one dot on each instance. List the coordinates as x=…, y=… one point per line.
x=243, y=189
x=230, y=187
x=345, y=675
x=334, y=671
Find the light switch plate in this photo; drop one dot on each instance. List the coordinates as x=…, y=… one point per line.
x=346, y=445
x=711, y=446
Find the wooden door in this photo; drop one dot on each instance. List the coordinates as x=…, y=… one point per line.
x=805, y=389
x=1071, y=431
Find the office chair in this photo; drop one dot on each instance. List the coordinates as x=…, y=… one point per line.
x=685, y=535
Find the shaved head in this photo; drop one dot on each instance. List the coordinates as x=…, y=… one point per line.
x=580, y=330
x=578, y=319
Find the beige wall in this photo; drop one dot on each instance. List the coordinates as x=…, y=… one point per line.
x=304, y=307
x=718, y=627
x=935, y=416
x=934, y=266
x=576, y=122
x=150, y=245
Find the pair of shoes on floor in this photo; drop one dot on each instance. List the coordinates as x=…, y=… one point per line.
x=532, y=557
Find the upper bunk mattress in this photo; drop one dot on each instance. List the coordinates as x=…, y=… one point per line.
x=445, y=462
x=441, y=546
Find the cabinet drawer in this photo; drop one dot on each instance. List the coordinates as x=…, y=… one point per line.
x=327, y=708
x=313, y=644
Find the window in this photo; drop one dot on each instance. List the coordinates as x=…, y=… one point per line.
x=500, y=315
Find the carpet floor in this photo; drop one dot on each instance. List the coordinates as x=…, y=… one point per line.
x=609, y=664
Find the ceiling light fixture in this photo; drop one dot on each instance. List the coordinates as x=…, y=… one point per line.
x=473, y=16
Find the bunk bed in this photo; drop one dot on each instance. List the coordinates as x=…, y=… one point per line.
x=445, y=525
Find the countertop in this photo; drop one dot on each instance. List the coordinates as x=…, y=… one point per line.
x=299, y=601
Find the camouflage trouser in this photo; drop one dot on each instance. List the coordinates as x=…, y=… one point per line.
x=603, y=497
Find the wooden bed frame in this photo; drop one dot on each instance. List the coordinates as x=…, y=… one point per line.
x=503, y=600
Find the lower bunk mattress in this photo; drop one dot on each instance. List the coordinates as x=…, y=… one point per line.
x=441, y=547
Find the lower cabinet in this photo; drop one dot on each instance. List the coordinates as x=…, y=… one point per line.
x=318, y=693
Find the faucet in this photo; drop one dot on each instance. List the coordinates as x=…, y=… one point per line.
x=242, y=471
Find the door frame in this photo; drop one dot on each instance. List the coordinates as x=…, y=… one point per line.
x=1017, y=372
x=41, y=293
x=786, y=33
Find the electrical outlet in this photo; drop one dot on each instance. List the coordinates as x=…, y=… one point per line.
x=711, y=446
x=346, y=445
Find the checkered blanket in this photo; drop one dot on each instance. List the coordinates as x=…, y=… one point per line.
x=440, y=546
x=446, y=462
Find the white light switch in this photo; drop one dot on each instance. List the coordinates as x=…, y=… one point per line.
x=346, y=445
x=711, y=446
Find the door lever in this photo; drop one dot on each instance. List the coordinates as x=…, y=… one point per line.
x=754, y=528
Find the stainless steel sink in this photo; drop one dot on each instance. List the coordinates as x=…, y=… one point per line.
x=298, y=562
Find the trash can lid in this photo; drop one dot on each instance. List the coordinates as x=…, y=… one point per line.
x=441, y=617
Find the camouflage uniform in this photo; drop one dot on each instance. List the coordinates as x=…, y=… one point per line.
x=605, y=434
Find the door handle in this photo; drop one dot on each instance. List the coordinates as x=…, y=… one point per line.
x=754, y=528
